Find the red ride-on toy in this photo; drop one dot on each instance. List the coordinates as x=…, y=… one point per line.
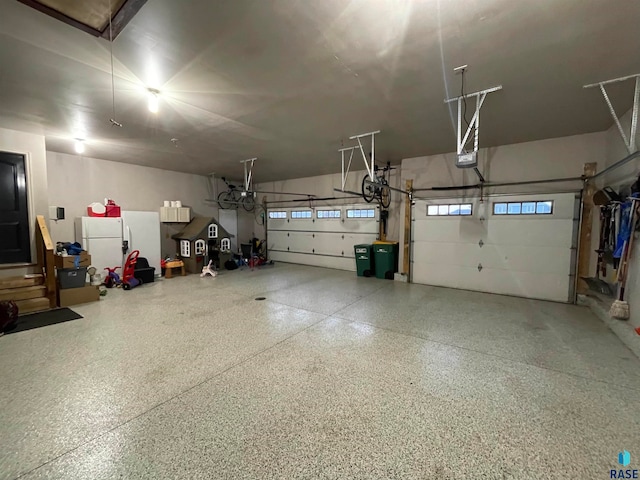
x=128, y=279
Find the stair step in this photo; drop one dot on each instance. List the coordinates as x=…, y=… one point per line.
x=23, y=293
x=11, y=266
x=32, y=305
x=18, y=282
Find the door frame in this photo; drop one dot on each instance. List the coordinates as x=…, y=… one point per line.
x=31, y=208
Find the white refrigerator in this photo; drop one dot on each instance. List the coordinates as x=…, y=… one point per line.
x=102, y=238
x=141, y=231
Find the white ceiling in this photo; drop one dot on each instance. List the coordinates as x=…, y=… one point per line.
x=288, y=80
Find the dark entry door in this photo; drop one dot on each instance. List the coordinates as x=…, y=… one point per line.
x=14, y=216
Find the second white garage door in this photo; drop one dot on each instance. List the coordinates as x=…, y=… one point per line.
x=320, y=236
x=513, y=245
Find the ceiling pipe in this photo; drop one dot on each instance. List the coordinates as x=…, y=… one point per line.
x=501, y=184
x=314, y=199
x=454, y=187
x=616, y=165
x=284, y=193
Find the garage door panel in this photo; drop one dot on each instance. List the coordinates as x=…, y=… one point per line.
x=360, y=226
x=453, y=276
x=328, y=243
x=300, y=242
x=314, y=260
x=305, y=224
x=556, y=232
x=525, y=284
x=278, y=241
x=519, y=284
x=448, y=230
x=546, y=260
x=443, y=254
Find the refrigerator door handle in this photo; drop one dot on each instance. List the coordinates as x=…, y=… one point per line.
x=126, y=242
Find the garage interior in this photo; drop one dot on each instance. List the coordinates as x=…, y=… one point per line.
x=493, y=146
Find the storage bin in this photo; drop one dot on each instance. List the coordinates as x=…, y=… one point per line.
x=72, y=277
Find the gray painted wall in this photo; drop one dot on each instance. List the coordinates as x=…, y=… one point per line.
x=76, y=181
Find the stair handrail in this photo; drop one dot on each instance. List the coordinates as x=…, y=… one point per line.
x=45, y=250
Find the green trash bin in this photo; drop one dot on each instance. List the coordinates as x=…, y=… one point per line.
x=385, y=259
x=364, y=260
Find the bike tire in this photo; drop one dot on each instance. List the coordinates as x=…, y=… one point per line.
x=385, y=195
x=368, y=190
x=226, y=200
x=248, y=203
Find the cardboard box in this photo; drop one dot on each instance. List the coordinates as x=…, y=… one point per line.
x=69, y=262
x=76, y=296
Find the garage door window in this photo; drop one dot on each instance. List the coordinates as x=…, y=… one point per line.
x=449, y=209
x=523, y=208
x=277, y=214
x=301, y=214
x=361, y=213
x=328, y=213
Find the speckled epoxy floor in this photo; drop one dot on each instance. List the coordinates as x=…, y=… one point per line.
x=332, y=376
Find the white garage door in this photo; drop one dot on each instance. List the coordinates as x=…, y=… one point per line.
x=511, y=245
x=320, y=236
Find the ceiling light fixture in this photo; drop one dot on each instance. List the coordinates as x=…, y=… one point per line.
x=79, y=145
x=153, y=100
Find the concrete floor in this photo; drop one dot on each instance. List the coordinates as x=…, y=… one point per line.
x=333, y=376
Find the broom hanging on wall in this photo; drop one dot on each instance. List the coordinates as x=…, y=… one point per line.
x=620, y=308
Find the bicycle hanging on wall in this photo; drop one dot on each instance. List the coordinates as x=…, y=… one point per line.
x=378, y=187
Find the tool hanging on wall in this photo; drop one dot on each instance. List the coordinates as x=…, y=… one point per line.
x=620, y=308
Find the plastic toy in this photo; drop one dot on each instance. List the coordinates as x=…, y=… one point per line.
x=129, y=281
x=208, y=270
x=113, y=279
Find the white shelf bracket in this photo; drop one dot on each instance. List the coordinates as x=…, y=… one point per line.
x=369, y=163
x=345, y=171
x=474, y=124
x=248, y=173
x=629, y=142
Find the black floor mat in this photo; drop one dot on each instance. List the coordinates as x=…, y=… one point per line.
x=42, y=319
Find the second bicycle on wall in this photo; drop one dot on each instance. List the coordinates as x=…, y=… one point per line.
x=378, y=187
x=233, y=196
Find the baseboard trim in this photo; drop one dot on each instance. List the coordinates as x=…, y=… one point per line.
x=622, y=328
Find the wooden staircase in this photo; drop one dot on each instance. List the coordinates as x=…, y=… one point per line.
x=34, y=292
x=29, y=292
